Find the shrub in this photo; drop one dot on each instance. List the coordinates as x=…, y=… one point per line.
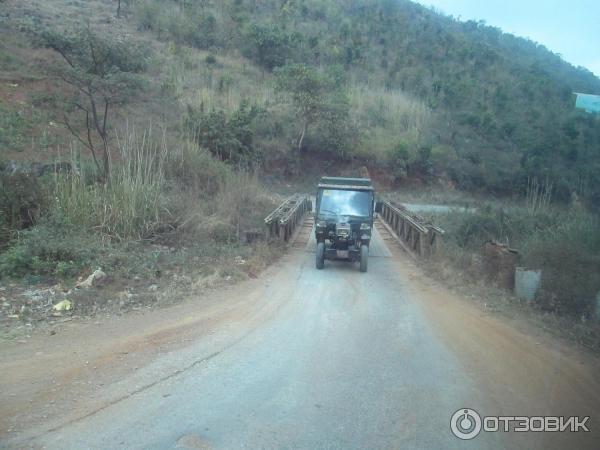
x=22, y=201
x=148, y=14
x=399, y=158
x=14, y=126
x=268, y=45
x=52, y=248
x=195, y=170
x=229, y=137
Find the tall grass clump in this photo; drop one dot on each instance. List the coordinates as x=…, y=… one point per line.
x=538, y=194
x=239, y=204
x=130, y=205
x=242, y=201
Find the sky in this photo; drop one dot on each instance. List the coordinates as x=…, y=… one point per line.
x=568, y=27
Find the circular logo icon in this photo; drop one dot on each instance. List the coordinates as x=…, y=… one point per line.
x=465, y=423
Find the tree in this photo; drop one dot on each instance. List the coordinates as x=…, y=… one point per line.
x=228, y=137
x=123, y=7
x=104, y=72
x=269, y=46
x=316, y=98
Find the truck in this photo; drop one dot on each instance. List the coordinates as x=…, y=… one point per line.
x=344, y=220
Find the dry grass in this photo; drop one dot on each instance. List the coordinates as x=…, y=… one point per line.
x=388, y=108
x=387, y=118
x=131, y=205
x=220, y=85
x=239, y=204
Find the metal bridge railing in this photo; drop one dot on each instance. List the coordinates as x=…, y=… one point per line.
x=282, y=222
x=418, y=235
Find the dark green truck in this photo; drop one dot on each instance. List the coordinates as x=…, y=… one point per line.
x=344, y=219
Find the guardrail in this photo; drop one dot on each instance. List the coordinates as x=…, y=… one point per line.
x=418, y=235
x=282, y=222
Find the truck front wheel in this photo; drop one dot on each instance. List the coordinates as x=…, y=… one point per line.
x=320, y=262
x=364, y=257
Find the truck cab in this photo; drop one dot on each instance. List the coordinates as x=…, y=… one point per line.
x=344, y=220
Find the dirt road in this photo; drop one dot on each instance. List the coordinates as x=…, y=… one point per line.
x=298, y=358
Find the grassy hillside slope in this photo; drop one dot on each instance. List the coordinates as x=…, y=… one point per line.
x=428, y=96
x=419, y=94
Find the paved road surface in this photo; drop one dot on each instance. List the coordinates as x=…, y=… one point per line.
x=336, y=359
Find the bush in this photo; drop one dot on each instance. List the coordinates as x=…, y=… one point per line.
x=22, y=201
x=14, y=127
x=52, y=248
x=228, y=137
x=268, y=45
x=148, y=14
x=194, y=169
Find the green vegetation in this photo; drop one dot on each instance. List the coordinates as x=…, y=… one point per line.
x=184, y=197
x=318, y=100
x=229, y=137
x=564, y=244
x=131, y=206
x=22, y=201
x=15, y=127
x=53, y=248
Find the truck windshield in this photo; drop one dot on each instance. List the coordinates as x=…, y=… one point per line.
x=345, y=203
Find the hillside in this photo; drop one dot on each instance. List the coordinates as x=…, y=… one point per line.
x=410, y=93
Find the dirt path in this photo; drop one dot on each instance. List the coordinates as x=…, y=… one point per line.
x=296, y=358
x=41, y=379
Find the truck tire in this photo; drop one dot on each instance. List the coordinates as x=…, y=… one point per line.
x=320, y=262
x=364, y=257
